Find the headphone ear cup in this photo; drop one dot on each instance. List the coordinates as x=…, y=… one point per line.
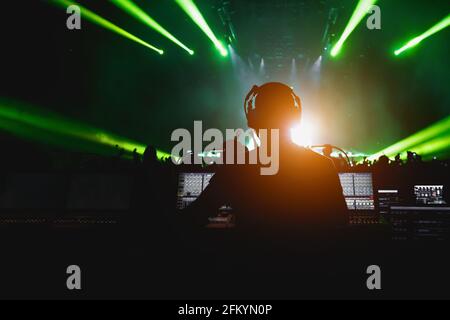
x=249, y=106
x=297, y=101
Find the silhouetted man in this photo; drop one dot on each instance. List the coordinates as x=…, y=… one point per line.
x=304, y=194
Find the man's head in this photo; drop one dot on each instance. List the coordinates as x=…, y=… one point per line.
x=273, y=105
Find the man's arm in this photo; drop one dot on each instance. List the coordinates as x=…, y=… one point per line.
x=207, y=204
x=338, y=206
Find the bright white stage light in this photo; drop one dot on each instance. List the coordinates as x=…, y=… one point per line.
x=304, y=134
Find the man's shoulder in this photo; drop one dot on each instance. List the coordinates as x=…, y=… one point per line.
x=316, y=159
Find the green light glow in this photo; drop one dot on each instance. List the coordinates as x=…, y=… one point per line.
x=441, y=128
x=38, y=125
x=192, y=11
x=135, y=11
x=96, y=19
x=361, y=10
x=417, y=40
x=432, y=147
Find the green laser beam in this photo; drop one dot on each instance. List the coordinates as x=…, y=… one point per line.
x=39, y=125
x=360, y=11
x=138, y=13
x=438, y=146
x=98, y=20
x=435, y=130
x=444, y=23
x=433, y=146
x=194, y=13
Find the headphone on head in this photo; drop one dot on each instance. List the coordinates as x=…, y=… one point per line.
x=250, y=106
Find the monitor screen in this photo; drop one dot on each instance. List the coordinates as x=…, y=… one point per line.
x=358, y=190
x=190, y=186
x=386, y=199
x=429, y=194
